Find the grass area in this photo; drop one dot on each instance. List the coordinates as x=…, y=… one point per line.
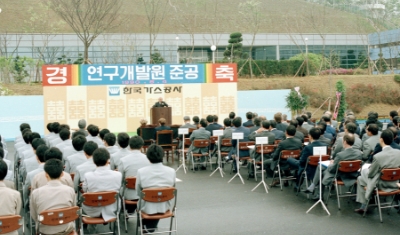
x=202, y=16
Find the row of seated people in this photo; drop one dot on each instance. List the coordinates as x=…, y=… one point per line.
x=88, y=170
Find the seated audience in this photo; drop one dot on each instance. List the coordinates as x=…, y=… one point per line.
x=196, y=121
x=109, y=142
x=161, y=127
x=65, y=136
x=249, y=122
x=299, y=135
x=257, y=124
x=300, y=127
x=74, y=160
x=201, y=133
x=392, y=115
x=279, y=135
x=123, y=142
x=237, y=123
x=94, y=135
x=349, y=128
x=369, y=144
x=143, y=123
x=87, y=166
x=279, y=125
x=186, y=120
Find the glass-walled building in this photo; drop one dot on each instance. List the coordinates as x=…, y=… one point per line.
x=386, y=46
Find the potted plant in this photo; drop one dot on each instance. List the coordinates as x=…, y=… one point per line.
x=296, y=102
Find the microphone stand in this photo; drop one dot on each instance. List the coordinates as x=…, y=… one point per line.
x=262, y=170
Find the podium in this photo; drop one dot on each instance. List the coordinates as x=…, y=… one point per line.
x=161, y=112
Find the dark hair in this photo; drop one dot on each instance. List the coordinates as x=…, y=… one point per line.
x=24, y=126
x=326, y=118
x=49, y=127
x=90, y=147
x=1, y=152
x=249, y=115
x=266, y=124
x=227, y=122
x=103, y=132
x=300, y=120
x=55, y=126
x=155, y=153
x=54, y=168
x=78, y=142
x=26, y=136
x=232, y=115
x=294, y=123
x=34, y=135
x=237, y=121
x=351, y=127
x=394, y=131
x=308, y=115
x=93, y=130
x=110, y=139
x=396, y=121
x=65, y=134
x=41, y=151
x=373, y=128
x=53, y=153
x=278, y=117
x=387, y=136
x=349, y=138
x=78, y=133
x=210, y=118
x=305, y=118
x=203, y=122
x=136, y=142
x=101, y=156
x=123, y=139
x=291, y=130
x=257, y=121
x=215, y=118
x=393, y=113
x=322, y=126
x=37, y=142
x=273, y=123
x=63, y=126
x=3, y=169
x=315, y=133
x=196, y=119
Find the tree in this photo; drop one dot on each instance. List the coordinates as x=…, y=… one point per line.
x=234, y=50
x=88, y=18
x=313, y=60
x=381, y=63
x=340, y=87
x=156, y=57
x=296, y=102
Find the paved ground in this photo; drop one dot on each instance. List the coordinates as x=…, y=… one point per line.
x=209, y=205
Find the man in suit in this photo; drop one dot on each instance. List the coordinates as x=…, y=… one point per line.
x=78, y=158
x=70, y=150
x=161, y=127
x=103, y=179
x=378, y=147
x=300, y=164
x=94, y=135
x=10, y=200
x=212, y=124
x=300, y=127
x=307, y=124
x=40, y=179
x=65, y=136
x=290, y=143
x=249, y=122
x=109, y=142
x=324, y=136
x=348, y=154
x=54, y=195
x=257, y=125
x=333, y=123
x=196, y=121
x=279, y=125
x=392, y=115
x=154, y=176
x=370, y=177
x=299, y=135
x=279, y=135
x=129, y=166
x=370, y=143
x=187, y=124
x=227, y=134
x=201, y=133
x=160, y=103
x=87, y=166
x=57, y=140
x=329, y=129
x=237, y=123
x=349, y=128
x=123, y=142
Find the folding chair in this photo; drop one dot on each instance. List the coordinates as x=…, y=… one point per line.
x=165, y=140
x=100, y=199
x=200, y=143
x=147, y=133
x=158, y=195
x=344, y=167
x=72, y=176
x=276, y=142
x=312, y=161
x=11, y=223
x=389, y=175
x=225, y=143
x=285, y=155
x=130, y=183
x=57, y=217
x=267, y=149
x=244, y=146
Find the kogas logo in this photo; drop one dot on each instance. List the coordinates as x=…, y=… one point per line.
x=114, y=91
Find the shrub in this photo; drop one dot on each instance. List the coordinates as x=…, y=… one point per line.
x=397, y=78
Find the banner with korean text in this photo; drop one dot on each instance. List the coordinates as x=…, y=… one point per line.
x=118, y=96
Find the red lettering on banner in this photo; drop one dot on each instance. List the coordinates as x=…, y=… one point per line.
x=57, y=75
x=224, y=73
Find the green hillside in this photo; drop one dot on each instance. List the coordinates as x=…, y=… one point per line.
x=200, y=16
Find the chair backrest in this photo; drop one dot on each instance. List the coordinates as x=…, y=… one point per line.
x=164, y=137
x=99, y=199
x=158, y=194
x=10, y=223
x=276, y=142
x=392, y=174
x=329, y=151
x=188, y=142
x=59, y=216
x=175, y=130
x=267, y=149
x=226, y=142
x=243, y=145
x=147, y=132
x=130, y=182
x=213, y=139
x=314, y=160
x=349, y=166
x=201, y=143
x=306, y=139
x=285, y=154
x=72, y=176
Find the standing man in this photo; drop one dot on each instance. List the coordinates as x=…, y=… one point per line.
x=160, y=103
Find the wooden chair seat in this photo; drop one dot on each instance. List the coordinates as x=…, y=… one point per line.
x=157, y=216
x=131, y=202
x=96, y=220
x=383, y=193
